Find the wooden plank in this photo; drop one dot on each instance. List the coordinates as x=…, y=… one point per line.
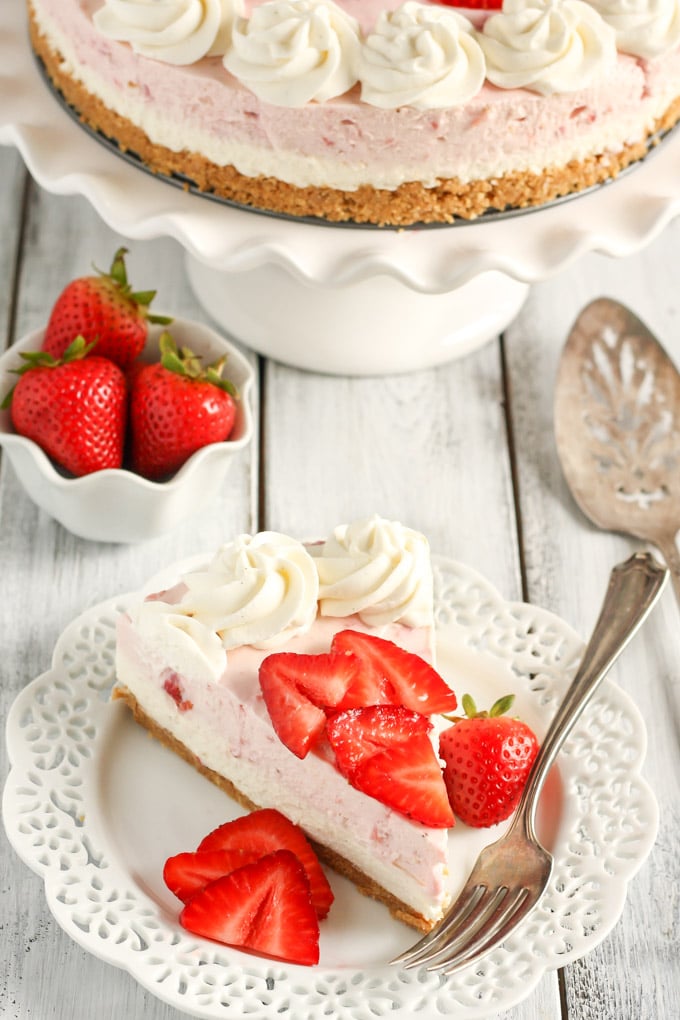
x=636, y=972
x=13, y=178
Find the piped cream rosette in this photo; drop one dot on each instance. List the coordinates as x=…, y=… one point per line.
x=644, y=28
x=425, y=57
x=178, y=32
x=292, y=52
x=547, y=46
x=378, y=570
x=258, y=590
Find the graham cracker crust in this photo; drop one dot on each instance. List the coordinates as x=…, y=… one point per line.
x=409, y=204
x=367, y=886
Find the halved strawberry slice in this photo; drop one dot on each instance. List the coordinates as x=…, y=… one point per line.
x=264, y=906
x=407, y=678
x=265, y=831
x=385, y=751
x=477, y=5
x=297, y=688
x=186, y=874
x=370, y=686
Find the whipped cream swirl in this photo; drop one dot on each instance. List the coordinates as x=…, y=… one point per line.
x=173, y=31
x=290, y=52
x=258, y=590
x=377, y=569
x=644, y=28
x=547, y=46
x=425, y=57
x=189, y=647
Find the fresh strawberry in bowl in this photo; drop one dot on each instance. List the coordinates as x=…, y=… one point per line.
x=177, y=406
x=105, y=310
x=114, y=503
x=74, y=407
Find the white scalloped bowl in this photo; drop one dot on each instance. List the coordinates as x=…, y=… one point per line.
x=117, y=505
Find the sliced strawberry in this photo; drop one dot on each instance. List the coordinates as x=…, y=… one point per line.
x=358, y=734
x=188, y=873
x=370, y=686
x=297, y=688
x=385, y=751
x=264, y=906
x=265, y=831
x=404, y=677
x=477, y=5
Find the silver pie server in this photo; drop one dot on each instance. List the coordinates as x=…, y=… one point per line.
x=617, y=427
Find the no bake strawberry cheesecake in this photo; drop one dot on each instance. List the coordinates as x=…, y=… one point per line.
x=300, y=677
x=371, y=111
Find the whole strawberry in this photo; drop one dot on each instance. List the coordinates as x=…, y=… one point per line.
x=177, y=407
x=74, y=408
x=105, y=311
x=487, y=759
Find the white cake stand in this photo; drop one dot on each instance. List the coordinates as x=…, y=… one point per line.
x=332, y=299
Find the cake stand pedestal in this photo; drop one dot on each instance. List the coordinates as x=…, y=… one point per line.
x=372, y=327
x=332, y=299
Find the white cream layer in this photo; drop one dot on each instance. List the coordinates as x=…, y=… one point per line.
x=229, y=730
x=345, y=144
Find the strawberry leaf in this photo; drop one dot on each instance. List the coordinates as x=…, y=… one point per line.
x=185, y=362
x=502, y=706
x=118, y=271
x=469, y=706
x=227, y=385
x=172, y=361
x=143, y=297
x=77, y=349
x=7, y=399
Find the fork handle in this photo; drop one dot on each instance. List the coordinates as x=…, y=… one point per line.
x=634, y=587
x=668, y=547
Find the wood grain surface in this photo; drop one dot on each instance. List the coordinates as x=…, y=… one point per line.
x=464, y=452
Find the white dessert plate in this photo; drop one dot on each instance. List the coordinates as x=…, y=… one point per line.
x=94, y=806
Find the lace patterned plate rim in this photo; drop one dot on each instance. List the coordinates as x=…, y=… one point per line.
x=83, y=807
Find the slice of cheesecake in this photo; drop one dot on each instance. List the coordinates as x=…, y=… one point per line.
x=188, y=664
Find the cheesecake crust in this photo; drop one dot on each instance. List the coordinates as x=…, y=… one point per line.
x=409, y=204
x=365, y=885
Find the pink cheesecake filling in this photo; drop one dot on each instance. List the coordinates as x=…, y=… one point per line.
x=345, y=143
x=226, y=725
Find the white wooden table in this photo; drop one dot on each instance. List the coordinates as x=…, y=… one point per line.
x=464, y=452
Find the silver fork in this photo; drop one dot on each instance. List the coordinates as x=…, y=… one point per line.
x=511, y=874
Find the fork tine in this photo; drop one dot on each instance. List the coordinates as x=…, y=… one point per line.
x=498, y=928
x=477, y=920
x=467, y=901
